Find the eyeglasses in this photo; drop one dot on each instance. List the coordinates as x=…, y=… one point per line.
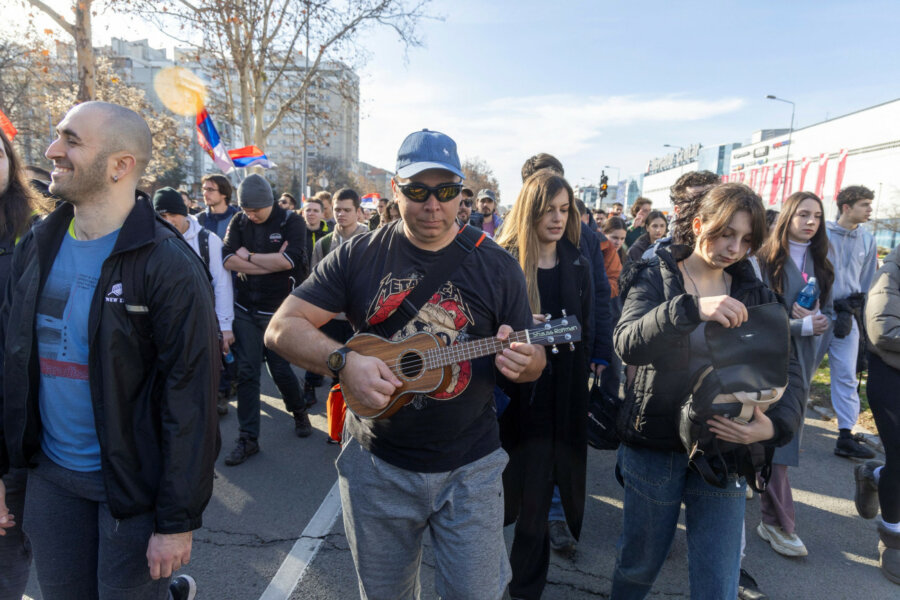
x=419, y=192
x=467, y=202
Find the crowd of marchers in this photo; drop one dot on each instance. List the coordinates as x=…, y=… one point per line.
x=131, y=324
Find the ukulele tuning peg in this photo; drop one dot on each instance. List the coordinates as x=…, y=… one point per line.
x=571, y=347
x=554, y=349
x=548, y=316
x=564, y=321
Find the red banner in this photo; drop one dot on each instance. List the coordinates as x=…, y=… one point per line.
x=789, y=179
x=762, y=180
x=753, y=174
x=804, y=167
x=776, y=183
x=7, y=126
x=842, y=165
x=742, y=176
x=823, y=169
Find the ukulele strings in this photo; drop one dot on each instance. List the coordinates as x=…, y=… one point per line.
x=451, y=351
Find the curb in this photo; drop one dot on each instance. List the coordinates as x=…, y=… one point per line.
x=868, y=437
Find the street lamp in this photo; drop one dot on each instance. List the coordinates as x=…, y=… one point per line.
x=790, y=133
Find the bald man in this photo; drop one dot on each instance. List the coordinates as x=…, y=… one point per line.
x=110, y=369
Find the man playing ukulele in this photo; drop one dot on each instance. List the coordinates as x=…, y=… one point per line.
x=437, y=462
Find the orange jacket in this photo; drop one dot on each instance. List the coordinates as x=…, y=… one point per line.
x=613, y=266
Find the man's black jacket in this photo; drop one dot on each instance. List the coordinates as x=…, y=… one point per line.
x=154, y=397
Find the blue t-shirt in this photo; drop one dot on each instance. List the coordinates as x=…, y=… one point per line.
x=69, y=435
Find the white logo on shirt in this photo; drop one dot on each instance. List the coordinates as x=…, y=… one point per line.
x=115, y=293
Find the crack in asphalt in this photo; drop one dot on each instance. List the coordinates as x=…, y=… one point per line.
x=256, y=540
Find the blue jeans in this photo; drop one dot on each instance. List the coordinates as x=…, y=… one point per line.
x=556, y=510
x=80, y=550
x=656, y=483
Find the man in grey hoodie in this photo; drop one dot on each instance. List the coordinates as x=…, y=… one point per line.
x=854, y=256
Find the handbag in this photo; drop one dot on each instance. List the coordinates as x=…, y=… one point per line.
x=748, y=369
x=602, y=414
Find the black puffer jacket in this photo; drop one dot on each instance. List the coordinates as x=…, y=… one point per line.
x=154, y=397
x=653, y=334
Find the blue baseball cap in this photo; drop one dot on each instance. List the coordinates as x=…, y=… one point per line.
x=425, y=150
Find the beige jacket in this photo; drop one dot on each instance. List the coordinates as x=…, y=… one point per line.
x=883, y=311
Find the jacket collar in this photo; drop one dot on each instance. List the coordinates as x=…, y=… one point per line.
x=743, y=277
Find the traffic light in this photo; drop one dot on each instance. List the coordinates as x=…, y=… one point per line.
x=603, y=184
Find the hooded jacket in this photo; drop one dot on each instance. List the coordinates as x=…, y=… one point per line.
x=883, y=311
x=653, y=334
x=153, y=397
x=854, y=256
x=221, y=278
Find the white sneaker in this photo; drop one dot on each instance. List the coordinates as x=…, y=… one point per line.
x=787, y=544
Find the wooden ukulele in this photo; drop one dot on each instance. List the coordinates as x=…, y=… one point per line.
x=422, y=362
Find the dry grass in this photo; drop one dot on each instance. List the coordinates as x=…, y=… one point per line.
x=820, y=395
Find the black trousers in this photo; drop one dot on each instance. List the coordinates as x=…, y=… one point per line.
x=884, y=381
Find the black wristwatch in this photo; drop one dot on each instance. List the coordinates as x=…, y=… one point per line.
x=338, y=359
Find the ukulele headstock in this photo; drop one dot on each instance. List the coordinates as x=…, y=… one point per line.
x=563, y=330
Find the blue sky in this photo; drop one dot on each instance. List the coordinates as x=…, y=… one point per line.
x=609, y=82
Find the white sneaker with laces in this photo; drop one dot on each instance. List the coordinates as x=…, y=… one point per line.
x=786, y=544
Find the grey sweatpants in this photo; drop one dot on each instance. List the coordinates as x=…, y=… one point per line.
x=387, y=509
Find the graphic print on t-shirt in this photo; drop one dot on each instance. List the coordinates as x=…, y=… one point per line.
x=60, y=351
x=445, y=315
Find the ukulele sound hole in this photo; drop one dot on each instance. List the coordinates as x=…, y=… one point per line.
x=411, y=365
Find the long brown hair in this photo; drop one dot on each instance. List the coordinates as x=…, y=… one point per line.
x=19, y=202
x=719, y=206
x=519, y=235
x=776, y=251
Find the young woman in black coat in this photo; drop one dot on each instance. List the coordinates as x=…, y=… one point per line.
x=668, y=301
x=545, y=433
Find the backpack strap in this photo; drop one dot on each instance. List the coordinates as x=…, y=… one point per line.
x=466, y=241
x=203, y=239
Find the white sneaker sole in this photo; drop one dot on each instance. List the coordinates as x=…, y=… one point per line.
x=778, y=546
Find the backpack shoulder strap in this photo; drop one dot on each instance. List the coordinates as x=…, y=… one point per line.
x=466, y=241
x=326, y=243
x=203, y=239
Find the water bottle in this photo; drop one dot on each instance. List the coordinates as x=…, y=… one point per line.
x=229, y=358
x=809, y=294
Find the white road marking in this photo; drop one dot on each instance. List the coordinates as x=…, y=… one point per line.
x=291, y=571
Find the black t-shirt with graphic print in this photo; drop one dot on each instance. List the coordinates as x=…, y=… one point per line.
x=368, y=277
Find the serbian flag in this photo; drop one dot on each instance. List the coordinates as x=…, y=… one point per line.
x=250, y=156
x=370, y=200
x=8, y=128
x=804, y=167
x=842, y=165
x=820, y=181
x=209, y=140
x=776, y=183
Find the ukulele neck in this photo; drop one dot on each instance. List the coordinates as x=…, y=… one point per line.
x=457, y=353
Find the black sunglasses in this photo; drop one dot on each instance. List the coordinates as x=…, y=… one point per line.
x=467, y=202
x=419, y=192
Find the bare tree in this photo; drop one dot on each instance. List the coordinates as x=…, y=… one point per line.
x=80, y=30
x=479, y=176
x=268, y=58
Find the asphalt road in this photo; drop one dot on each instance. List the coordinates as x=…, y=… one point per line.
x=260, y=508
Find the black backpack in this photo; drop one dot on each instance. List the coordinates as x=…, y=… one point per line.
x=749, y=368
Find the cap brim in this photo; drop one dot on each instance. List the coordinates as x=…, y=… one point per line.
x=416, y=168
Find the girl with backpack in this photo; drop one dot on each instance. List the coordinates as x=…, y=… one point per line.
x=796, y=252
x=545, y=430
x=668, y=300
